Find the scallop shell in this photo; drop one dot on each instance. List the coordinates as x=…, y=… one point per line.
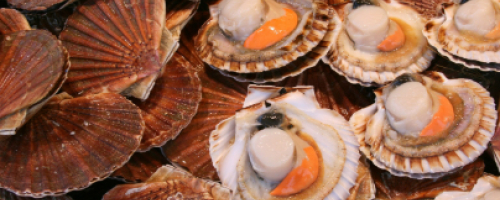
x=179, y=12
x=6, y=195
x=393, y=187
x=11, y=21
x=115, y=46
x=487, y=188
x=317, y=26
x=227, y=148
x=442, y=34
x=69, y=144
x=140, y=166
x=170, y=183
x=369, y=69
x=28, y=83
x=172, y=103
x=495, y=146
x=364, y=187
x=300, y=64
x=427, y=8
x=38, y=5
x=435, y=164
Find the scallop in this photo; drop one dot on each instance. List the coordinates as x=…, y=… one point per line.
x=462, y=124
x=487, y=188
x=39, y=5
x=140, y=166
x=11, y=21
x=397, y=47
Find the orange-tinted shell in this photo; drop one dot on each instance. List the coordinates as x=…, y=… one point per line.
x=140, y=166
x=69, y=144
x=11, y=21
x=33, y=66
x=114, y=46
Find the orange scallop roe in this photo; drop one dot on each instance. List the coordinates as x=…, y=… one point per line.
x=272, y=31
x=494, y=34
x=441, y=120
x=301, y=177
x=394, y=41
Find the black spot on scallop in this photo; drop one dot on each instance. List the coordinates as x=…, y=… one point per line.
x=359, y=3
x=405, y=78
x=283, y=91
x=270, y=119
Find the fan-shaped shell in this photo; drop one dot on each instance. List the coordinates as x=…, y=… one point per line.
x=443, y=35
x=427, y=8
x=11, y=21
x=172, y=103
x=114, y=46
x=270, y=59
x=393, y=187
x=431, y=161
x=70, y=144
x=375, y=69
x=33, y=67
x=364, y=188
x=6, y=195
x=169, y=183
x=179, y=12
x=140, y=166
x=36, y=5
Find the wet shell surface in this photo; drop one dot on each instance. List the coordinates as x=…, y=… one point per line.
x=140, y=166
x=339, y=156
x=69, y=144
x=312, y=28
x=28, y=83
x=11, y=21
x=170, y=183
x=377, y=68
x=36, y=5
x=116, y=46
x=444, y=36
x=172, y=103
x=465, y=142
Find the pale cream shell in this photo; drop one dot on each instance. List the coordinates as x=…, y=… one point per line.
x=432, y=166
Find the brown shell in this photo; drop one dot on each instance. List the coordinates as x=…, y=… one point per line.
x=427, y=8
x=140, y=166
x=11, y=21
x=233, y=63
x=393, y=187
x=364, y=187
x=6, y=195
x=69, y=144
x=170, y=183
x=114, y=46
x=172, y=103
x=34, y=4
x=28, y=83
x=179, y=12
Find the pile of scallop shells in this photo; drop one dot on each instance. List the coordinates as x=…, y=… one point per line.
x=249, y=99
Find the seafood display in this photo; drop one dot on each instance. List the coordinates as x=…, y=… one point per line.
x=283, y=145
x=468, y=33
x=446, y=125
x=379, y=42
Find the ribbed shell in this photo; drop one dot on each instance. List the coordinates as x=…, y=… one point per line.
x=69, y=144
x=309, y=38
x=34, y=4
x=441, y=34
x=495, y=146
x=427, y=8
x=114, y=46
x=296, y=67
x=393, y=187
x=435, y=165
x=33, y=66
x=170, y=183
x=6, y=195
x=140, y=166
x=366, y=71
x=172, y=103
x=11, y=21
x=364, y=188
x=179, y=12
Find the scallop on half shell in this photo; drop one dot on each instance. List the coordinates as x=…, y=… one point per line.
x=468, y=33
x=487, y=188
x=426, y=127
x=170, y=182
x=379, y=42
x=239, y=45
x=242, y=148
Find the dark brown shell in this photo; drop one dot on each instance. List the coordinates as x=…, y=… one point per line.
x=6, y=195
x=114, y=46
x=179, y=12
x=11, y=21
x=34, y=4
x=140, y=166
x=170, y=183
x=27, y=83
x=69, y=144
x=393, y=187
x=172, y=103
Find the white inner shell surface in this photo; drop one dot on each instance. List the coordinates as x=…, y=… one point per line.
x=228, y=144
x=486, y=188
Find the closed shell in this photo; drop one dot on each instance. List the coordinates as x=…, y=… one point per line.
x=11, y=21
x=140, y=166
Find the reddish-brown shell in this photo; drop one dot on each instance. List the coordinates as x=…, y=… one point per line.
x=33, y=66
x=427, y=8
x=113, y=46
x=170, y=183
x=35, y=4
x=172, y=103
x=140, y=166
x=11, y=21
x=69, y=144
x=179, y=12
x=6, y=195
